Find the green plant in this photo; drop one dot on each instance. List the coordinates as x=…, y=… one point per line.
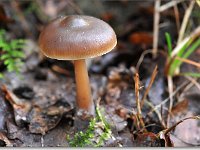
x=169, y=44
x=11, y=53
x=106, y=126
x=185, y=51
x=81, y=139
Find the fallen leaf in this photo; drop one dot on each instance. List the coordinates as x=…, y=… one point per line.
x=141, y=38
x=148, y=139
x=180, y=107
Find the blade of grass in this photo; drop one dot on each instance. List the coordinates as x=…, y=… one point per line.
x=1, y=75
x=169, y=43
x=192, y=74
x=181, y=54
x=192, y=49
x=175, y=63
x=194, y=35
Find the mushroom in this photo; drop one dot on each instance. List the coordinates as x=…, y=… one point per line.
x=77, y=38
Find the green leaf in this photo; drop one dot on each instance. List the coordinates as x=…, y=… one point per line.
x=4, y=56
x=184, y=54
x=17, y=44
x=169, y=43
x=4, y=47
x=192, y=49
x=1, y=76
x=8, y=61
x=192, y=74
x=11, y=68
x=12, y=55
x=18, y=54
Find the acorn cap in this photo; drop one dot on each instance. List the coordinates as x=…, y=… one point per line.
x=77, y=37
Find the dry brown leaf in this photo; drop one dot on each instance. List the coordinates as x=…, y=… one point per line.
x=141, y=38
x=180, y=107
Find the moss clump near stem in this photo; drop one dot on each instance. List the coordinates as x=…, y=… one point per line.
x=90, y=137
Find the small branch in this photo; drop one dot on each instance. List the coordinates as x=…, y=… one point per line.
x=155, y=71
x=196, y=64
x=194, y=81
x=166, y=100
x=170, y=88
x=169, y=5
x=136, y=79
x=139, y=112
x=177, y=17
x=22, y=18
x=165, y=133
x=156, y=27
x=60, y=70
x=174, y=126
x=157, y=113
x=185, y=21
x=182, y=94
x=149, y=51
x=76, y=8
x=190, y=38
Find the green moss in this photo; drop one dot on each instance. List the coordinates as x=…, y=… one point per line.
x=83, y=139
x=12, y=54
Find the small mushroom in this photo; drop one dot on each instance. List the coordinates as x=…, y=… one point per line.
x=77, y=38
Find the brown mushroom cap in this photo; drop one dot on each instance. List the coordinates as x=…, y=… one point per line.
x=77, y=37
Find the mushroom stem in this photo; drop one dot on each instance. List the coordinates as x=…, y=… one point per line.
x=83, y=98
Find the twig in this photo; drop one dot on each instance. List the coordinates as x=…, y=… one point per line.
x=60, y=70
x=166, y=100
x=195, y=34
x=22, y=18
x=174, y=126
x=185, y=21
x=41, y=13
x=12, y=98
x=149, y=51
x=137, y=87
x=155, y=71
x=189, y=144
x=157, y=113
x=169, y=5
x=177, y=17
x=156, y=27
x=4, y=138
x=162, y=134
x=76, y=8
x=170, y=88
x=193, y=82
x=196, y=64
x=139, y=112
